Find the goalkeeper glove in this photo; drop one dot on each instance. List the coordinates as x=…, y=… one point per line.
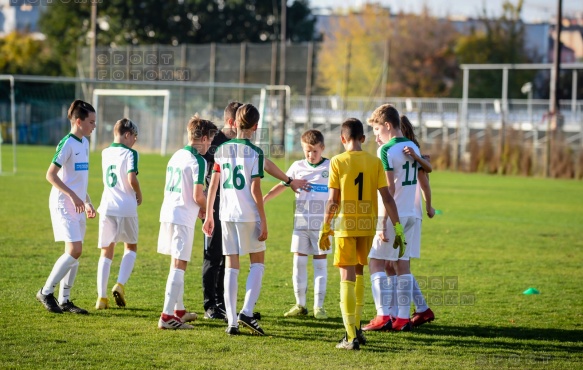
x=324, y=239
x=399, y=239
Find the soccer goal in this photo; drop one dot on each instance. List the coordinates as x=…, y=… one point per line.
x=142, y=107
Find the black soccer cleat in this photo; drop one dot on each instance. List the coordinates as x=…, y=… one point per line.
x=48, y=301
x=70, y=307
x=251, y=324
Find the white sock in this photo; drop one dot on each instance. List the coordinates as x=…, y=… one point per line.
x=179, y=306
x=103, y=269
x=404, y=295
x=231, y=285
x=67, y=283
x=418, y=299
x=380, y=292
x=60, y=269
x=174, y=284
x=126, y=267
x=393, y=305
x=253, y=288
x=300, y=279
x=320, y=281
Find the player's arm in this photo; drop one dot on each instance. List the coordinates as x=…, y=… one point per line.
x=390, y=207
x=54, y=179
x=425, y=165
x=209, y=222
x=332, y=205
x=391, y=182
x=426, y=191
x=258, y=198
x=276, y=172
x=135, y=184
x=199, y=197
x=274, y=192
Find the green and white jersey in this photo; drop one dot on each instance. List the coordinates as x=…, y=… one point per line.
x=405, y=173
x=118, y=197
x=72, y=157
x=310, y=205
x=238, y=161
x=185, y=169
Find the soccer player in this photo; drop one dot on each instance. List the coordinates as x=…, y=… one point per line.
x=184, y=200
x=422, y=312
x=213, y=268
x=239, y=169
x=118, y=210
x=309, y=214
x=355, y=178
x=69, y=203
x=401, y=174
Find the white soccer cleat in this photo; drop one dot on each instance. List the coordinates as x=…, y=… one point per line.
x=173, y=323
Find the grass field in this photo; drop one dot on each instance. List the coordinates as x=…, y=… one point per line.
x=496, y=237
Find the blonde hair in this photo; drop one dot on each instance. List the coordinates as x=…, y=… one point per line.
x=247, y=116
x=385, y=113
x=198, y=128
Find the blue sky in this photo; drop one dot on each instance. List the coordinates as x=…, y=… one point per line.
x=533, y=10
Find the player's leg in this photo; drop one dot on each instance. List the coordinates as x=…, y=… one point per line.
x=404, y=282
x=392, y=288
x=379, y=285
x=299, y=276
x=320, y=282
x=422, y=312
x=230, y=244
x=103, y=270
x=213, y=270
x=129, y=234
x=345, y=259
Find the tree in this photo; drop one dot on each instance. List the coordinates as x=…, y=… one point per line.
x=421, y=61
x=172, y=22
x=22, y=54
x=495, y=40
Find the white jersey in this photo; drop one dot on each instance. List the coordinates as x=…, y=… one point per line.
x=72, y=157
x=310, y=205
x=405, y=173
x=418, y=202
x=118, y=198
x=238, y=161
x=185, y=169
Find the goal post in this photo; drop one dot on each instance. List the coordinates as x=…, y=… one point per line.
x=97, y=93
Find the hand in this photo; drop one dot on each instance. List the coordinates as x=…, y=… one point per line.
x=208, y=226
x=410, y=152
x=89, y=210
x=263, y=232
x=399, y=239
x=78, y=203
x=382, y=234
x=298, y=184
x=201, y=213
x=324, y=238
x=139, y=198
x=430, y=211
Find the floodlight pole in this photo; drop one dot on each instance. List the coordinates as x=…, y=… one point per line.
x=554, y=109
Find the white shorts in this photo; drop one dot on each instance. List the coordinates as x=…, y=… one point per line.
x=68, y=225
x=113, y=229
x=241, y=238
x=306, y=242
x=385, y=251
x=414, y=244
x=175, y=240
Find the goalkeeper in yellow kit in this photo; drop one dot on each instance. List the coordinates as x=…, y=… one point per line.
x=355, y=178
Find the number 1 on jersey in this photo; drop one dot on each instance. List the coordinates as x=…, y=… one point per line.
x=360, y=182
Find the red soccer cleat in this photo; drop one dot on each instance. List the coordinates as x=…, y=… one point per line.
x=402, y=324
x=420, y=318
x=378, y=323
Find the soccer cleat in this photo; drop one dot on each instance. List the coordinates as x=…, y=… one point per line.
x=232, y=330
x=251, y=324
x=360, y=336
x=102, y=304
x=402, y=324
x=185, y=316
x=296, y=310
x=214, y=313
x=172, y=322
x=420, y=318
x=345, y=344
x=48, y=301
x=119, y=295
x=320, y=313
x=70, y=307
x=379, y=323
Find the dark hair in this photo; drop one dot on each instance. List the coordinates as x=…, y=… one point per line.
x=198, y=128
x=125, y=125
x=231, y=109
x=408, y=131
x=385, y=113
x=247, y=116
x=313, y=137
x=352, y=129
x=79, y=109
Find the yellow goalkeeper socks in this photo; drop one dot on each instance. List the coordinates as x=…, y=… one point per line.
x=348, y=307
x=359, y=291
